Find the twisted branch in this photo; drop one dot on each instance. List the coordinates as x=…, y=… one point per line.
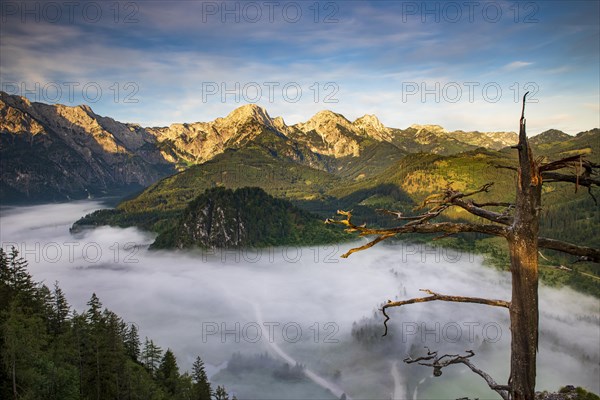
x=432, y=360
x=439, y=297
x=417, y=226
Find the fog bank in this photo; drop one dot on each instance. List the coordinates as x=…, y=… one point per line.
x=305, y=300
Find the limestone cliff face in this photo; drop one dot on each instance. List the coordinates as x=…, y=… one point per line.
x=214, y=224
x=200, y=141
x=330, y=134
x=55, y=152
x=246, y=217
x=370, y=126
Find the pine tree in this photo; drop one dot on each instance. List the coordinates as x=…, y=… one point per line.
x=94, y=315
x=22, y=341
x=168, y=372
x=151, y=356
x=4, y=288
x=132, y=343
x=44, y=303
x=60, y=310
x=202, y=389
x=221, y=394
x=13, y=272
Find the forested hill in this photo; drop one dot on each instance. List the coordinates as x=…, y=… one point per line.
x=225, y=218
x=246, y=217
x=49, y=351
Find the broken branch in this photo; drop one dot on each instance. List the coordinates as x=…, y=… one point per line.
x=439, y=297
x=432, y=360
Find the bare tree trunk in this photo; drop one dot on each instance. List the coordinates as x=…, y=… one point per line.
x=523, y=247
x=14, y=378
x=523, y=315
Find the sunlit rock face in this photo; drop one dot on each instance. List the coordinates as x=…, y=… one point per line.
x=55, y=152
x=246, y=217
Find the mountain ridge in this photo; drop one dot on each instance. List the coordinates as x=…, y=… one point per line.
x=58, y=152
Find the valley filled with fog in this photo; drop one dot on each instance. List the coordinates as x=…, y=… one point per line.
x=308, y=306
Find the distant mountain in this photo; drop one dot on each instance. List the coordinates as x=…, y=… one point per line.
x=55, y=152
x=555, y=144
x=489, y=140
x=549, y=136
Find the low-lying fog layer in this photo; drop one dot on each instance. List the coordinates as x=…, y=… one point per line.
x=299, y=305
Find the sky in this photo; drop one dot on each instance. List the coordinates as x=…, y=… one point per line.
x=463, y=65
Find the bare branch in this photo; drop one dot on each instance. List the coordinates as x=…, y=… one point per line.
x=432, y=360
x=440, y=297
x=584, y=169
x=586, y=253
x=494, y=204
x=501, y=218
x=573, y=161
x=414, y=227
x=577, y=179
x=502, y=390
x=366, y=246
x=400, y=216
x=455, y=198
x=568, y=269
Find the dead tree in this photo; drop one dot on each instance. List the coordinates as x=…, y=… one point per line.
x=519, y=225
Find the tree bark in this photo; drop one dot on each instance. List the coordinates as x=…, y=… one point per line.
x=523, y=248
x=14, y=379
x=523, y=315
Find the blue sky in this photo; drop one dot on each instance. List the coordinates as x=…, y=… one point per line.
x=462, y=65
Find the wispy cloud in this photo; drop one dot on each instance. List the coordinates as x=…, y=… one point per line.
x=516, y=65
x=370, y=52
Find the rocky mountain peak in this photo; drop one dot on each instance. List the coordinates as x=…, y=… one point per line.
x=369, y=120
x=335, y=135
x=327, y=116
x=280, y=125
x=549, y=136
x=14, y=100
x=325, y=120
x=370, y=125
x=249, y=111
x=428, y=128
x=88, y=110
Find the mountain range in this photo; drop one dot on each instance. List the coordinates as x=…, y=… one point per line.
x=57, y=152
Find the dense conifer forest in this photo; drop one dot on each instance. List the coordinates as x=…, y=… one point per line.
x=48, y=351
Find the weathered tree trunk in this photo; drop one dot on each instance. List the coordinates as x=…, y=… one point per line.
x=523, y=248
x=14, y=378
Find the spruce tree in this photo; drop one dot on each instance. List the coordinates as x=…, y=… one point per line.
x=221, y=394
x=60, y=310
x=151, y=356
x=168, y=372
x=202, y=389
x=132, y=343
x=94, y=315
x=23, y=341
x=15, y=275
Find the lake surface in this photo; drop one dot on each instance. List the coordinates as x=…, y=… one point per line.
x=300, y=304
